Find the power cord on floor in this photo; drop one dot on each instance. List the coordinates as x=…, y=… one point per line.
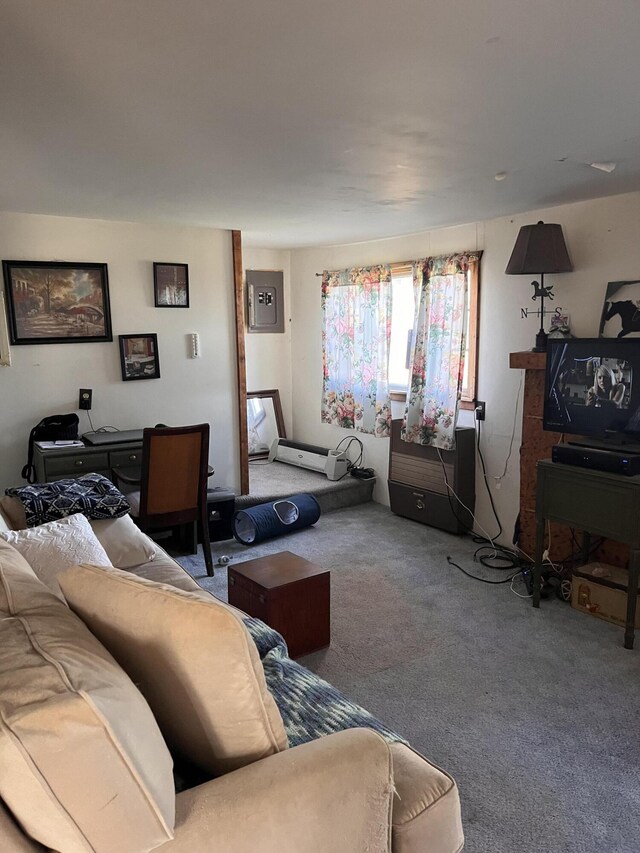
x=353, y=466
x=489, y=554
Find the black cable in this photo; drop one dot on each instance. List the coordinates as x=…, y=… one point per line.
x=488, y=554
x=350, y=465
x=90, y=421
x=448, y=488
x=486, y=478
x=350, y=439
x=482, y=580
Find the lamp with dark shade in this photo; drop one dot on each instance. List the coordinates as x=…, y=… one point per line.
x=540, y=249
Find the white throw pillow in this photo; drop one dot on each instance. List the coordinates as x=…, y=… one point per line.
x=126, y=545
x=55, y=546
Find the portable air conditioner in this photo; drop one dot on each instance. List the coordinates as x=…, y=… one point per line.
x=333, y=463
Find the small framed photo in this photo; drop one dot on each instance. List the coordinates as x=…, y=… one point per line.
x=560, y=325
x=139, y=357
x=55, y=302
x=171, y=285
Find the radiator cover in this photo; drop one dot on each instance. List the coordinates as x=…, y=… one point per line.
x=333, y=463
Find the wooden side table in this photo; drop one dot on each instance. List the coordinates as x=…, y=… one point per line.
x=290, y=594
x=595, y=502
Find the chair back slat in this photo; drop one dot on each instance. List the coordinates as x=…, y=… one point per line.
x=174, y=471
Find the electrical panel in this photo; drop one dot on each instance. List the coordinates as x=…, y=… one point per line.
x=265, y=300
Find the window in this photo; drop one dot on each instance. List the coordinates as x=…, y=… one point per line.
x=402, y=327
x=401, y=330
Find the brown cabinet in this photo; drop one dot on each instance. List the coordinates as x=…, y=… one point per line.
x=290, y=594
x=418, y=478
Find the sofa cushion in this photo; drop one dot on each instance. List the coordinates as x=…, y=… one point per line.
x=192, y=658
x=164, y=569
x=12, y=510
x=52, y=547
x=126, y=545
x=426, y=806
x=84, y=766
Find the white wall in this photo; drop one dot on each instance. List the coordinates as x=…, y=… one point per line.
x=44, y=379
x=269, y=355
x=603, y=237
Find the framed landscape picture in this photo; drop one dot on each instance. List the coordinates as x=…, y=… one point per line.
x=139, y=357
x=171, y=285
x=51, y=302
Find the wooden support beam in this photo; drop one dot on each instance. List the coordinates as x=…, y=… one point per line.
x=243, y=434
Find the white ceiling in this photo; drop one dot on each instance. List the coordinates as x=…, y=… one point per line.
x=306, y=122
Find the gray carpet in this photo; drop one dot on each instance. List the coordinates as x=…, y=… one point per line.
x=270, y=481
x=535, y=713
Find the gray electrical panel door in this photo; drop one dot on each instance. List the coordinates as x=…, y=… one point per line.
x=265, y=300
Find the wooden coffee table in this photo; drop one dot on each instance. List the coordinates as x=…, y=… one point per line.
x=290, y=594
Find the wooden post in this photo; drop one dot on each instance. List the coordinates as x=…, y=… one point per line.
x=243, y=434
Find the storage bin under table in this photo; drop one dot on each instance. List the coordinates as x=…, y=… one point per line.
x=291, y=594
x=221, y=504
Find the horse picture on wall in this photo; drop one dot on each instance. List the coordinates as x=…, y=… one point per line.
x=621, y=310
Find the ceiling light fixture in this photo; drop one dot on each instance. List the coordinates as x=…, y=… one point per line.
x=500, y=176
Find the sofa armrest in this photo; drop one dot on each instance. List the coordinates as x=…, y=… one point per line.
x=334, y=794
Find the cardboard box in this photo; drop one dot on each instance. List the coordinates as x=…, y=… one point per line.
x=601, y=591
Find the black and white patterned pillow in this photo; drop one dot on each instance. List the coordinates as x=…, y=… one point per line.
x=92, y=495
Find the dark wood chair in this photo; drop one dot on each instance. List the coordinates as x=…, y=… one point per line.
x=173, y=482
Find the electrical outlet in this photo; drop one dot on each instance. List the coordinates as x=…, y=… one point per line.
x=84, y=398
x=480, y=411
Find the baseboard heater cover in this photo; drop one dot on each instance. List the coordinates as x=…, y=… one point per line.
x=333, y=463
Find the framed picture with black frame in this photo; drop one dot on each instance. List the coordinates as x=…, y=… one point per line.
x=139, y=357
x=5, y=352
x=57, y=302
x=171, y=285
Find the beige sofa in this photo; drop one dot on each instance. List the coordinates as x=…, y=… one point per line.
x=348, y=792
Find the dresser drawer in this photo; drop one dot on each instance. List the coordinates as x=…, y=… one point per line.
x=76, y=465
x=126, y=458
x=72, y=475
x=428, y=508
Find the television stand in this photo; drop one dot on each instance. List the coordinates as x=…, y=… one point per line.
x=595, y=502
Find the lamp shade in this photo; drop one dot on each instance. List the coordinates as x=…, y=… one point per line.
x=539, y=248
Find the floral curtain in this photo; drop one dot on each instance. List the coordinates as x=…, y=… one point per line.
x=356, y=332
x=440, y=286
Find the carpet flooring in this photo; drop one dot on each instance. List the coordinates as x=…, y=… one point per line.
x=535, y=713
x=271, y=481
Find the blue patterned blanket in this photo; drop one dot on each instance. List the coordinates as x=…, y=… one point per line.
x=310, y=707
x=92, y=495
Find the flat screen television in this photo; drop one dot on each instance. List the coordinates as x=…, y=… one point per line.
x=592, y=388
